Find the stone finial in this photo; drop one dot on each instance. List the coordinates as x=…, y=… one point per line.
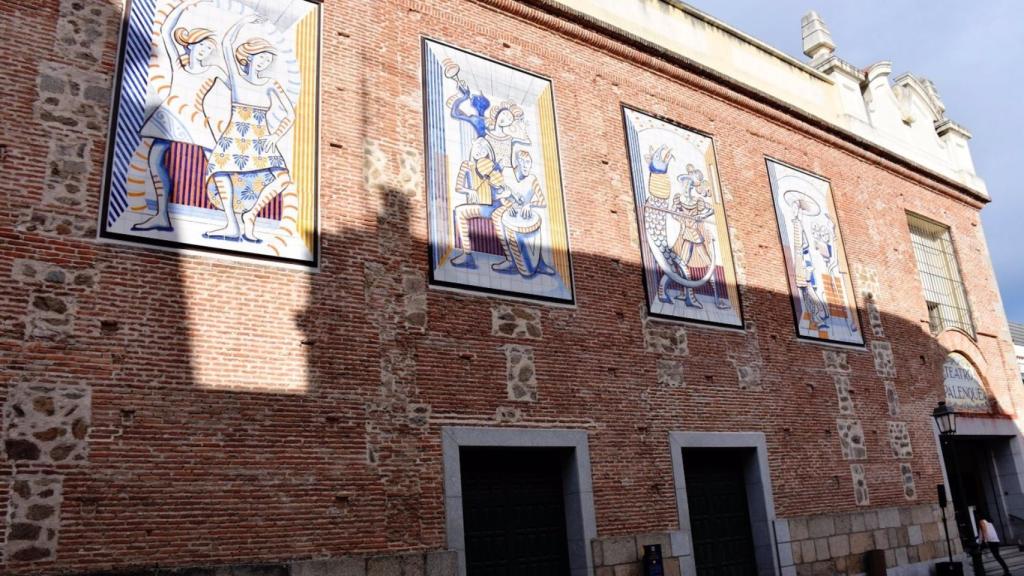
x=818, y=42
x=933, y=95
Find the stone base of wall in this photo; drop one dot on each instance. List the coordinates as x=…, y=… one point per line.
x=440, y=563
x=622, y=555
x=913, y=539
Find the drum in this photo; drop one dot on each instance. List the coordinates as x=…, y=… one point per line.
x=523, y=241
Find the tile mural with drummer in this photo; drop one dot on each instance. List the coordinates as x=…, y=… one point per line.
x=496, y=214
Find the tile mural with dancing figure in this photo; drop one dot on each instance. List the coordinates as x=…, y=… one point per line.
x=216, y=128
x=687, y=256
x=819, y=276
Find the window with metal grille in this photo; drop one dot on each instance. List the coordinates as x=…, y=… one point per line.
x=940, y=276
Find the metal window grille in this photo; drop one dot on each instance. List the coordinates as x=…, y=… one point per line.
x=940, y=276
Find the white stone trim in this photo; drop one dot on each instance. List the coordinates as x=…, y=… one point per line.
x=581, y=523
x=759, y=493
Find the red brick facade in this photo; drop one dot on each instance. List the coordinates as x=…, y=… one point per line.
x=242, y=413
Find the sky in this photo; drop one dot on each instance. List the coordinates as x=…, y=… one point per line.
x=972, y=51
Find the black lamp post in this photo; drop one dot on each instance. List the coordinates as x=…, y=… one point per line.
x=945, y=420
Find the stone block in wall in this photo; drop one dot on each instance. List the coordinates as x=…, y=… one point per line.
x=330, y=567
x=597, y=552
x=749, y=376
x=68, y=166
x=376, y=171
x=861, y=542
x=860, y=485
x=885, y=365
x=857, y=523
x=664, y=338
x=899, y=440
x=35, y=272
x=379, y=174
x=871, y=520
x=670, y=373
x=414, y=300
x=851, y=439
x=33, y=518
x=782, y=530
x=892, y=398
x=842, y=384
x=874, y=318
x=56, y=225
x=821, y=527
x=901, y=556
x=47, y=424
x=866, y=280
x=418, y=415
x=839, y=545
x=71, y=99
x=888, y=518
x=521, y=373
x=907, y=476
x=410, y=170
x=914, y=535
x=821, y=549
x=931, y=532
x=245, y=570
x=843, y=523
x=681, y=543
x=443, y=563
x=798, y=529
x=397, y=376
x=881, y=537
x=923, y=514
x=49, y=316
x=508, y=415
x=516, y=321
x=387, y=566
x=633, y=569
x=82, y=31
x=836, y=361
x=618, y=550
x=747, y=360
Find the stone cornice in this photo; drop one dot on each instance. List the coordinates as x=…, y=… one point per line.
x=602, y=36
x=836, y=63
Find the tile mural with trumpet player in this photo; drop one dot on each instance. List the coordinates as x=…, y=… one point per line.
x=496, y=217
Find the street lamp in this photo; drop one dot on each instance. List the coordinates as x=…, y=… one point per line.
x=945, y=420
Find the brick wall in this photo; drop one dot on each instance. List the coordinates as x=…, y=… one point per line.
x=233, y=412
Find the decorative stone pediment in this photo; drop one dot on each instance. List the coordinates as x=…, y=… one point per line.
x=910, y=90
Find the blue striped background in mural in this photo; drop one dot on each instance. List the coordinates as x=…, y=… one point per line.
x=134, y=81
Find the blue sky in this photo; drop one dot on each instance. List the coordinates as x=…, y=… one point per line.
x=971, y=50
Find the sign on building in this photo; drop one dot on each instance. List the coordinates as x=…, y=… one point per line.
x=215, y=128
x=964, y=390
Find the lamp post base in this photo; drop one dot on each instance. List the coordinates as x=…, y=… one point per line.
x=949, y=569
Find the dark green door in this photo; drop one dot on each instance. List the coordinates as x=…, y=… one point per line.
x=513, y=511
x=723, y=544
